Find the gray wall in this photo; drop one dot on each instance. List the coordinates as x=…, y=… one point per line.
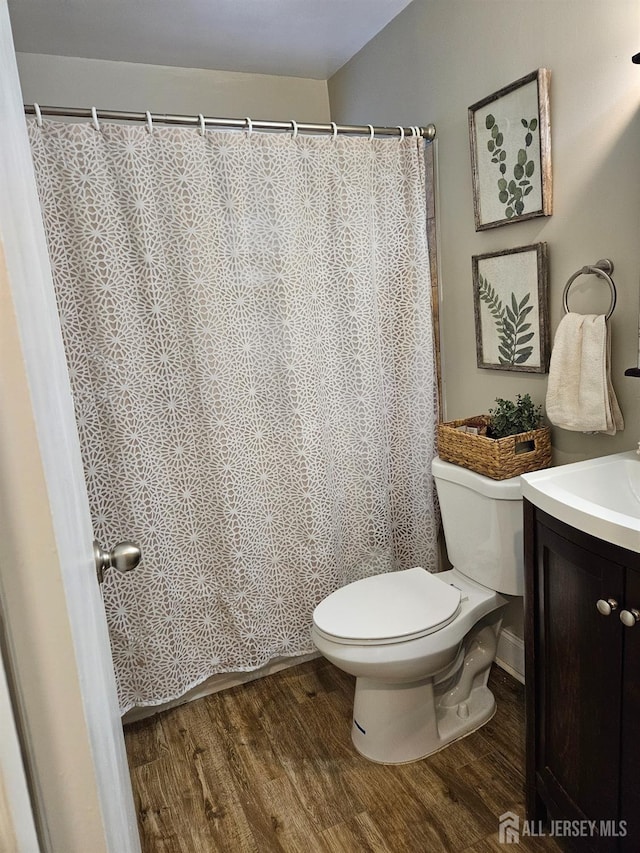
x=438, y=57
x=74, y=82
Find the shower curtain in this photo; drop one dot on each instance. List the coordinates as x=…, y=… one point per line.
x=247, y=323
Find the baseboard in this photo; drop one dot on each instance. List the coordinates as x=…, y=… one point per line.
x=510, y=654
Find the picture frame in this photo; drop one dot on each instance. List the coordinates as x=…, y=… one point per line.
x=511, y=310
x=510, y=140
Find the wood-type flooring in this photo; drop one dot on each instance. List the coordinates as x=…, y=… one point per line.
x=268, y=767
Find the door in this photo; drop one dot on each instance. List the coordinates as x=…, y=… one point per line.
x=579, y=667
x=58, y=638
x=630, y=754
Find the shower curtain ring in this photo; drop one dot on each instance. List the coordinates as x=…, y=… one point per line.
x=249, y=124
x=94, y=118
x=414, y=131
x=334, y=127
x=149, y=121
x=36, y=109
x=401, y=129
x=202, y=124
x=294, y=130
x=372, y=132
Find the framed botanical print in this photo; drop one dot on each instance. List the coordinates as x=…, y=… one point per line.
x=511, y=309
x=510, y=139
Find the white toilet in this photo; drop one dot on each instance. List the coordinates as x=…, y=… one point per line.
x=421, y=645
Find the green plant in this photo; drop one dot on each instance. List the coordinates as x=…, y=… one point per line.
x=512, y=192
x=512, y=327
x=509, y=418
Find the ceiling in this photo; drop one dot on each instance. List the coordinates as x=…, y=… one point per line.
x=298, y=38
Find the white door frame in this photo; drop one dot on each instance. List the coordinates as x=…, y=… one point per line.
x=56, y=627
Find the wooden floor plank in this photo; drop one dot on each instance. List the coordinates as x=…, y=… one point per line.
x=269, y=767
x=159, y=808
x=205, y=756
x=359, y=833
x=292, y=829
x=491, y=783
x=437, y=813
x=505, y=731
x=244, y=736
x=145, y=743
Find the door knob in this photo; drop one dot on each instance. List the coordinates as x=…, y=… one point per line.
x=606, y=607
x=123, y=557
x=629, y=617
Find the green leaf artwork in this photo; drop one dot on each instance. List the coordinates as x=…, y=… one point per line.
x=512, y=328
x=512, y=192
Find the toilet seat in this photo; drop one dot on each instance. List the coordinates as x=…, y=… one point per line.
x=389, y=608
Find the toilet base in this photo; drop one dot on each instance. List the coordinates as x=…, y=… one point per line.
x=397, y=723
x=400, y=729
x=399, y=736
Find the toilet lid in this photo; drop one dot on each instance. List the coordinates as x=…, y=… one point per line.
x=391, y=607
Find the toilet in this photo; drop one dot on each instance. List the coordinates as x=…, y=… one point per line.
x=421, y=645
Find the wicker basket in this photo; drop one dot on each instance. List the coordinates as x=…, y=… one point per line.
x=498, y=458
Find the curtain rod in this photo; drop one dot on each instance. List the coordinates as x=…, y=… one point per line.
x=428, y=132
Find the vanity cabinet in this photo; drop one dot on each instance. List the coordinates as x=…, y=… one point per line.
x=582, y=682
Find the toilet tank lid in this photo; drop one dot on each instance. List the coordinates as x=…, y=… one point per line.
x=505, y=490
x=389, y=607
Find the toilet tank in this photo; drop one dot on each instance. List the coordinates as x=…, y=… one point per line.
x=482, y=521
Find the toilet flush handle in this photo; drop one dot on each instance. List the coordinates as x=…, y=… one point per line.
x=607, y=607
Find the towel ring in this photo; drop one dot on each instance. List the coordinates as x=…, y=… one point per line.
x=603, y=269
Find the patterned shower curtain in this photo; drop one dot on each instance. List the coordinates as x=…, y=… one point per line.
x=247, y=323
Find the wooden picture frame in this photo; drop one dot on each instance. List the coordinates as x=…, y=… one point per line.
x=510, y=139
x=511, y=309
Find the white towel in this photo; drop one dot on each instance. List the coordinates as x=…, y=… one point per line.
x=580, y=395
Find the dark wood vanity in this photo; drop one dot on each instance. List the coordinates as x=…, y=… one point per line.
x=582, y=683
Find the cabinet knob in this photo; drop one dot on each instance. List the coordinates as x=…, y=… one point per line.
x=607, y=607
x=629, y=617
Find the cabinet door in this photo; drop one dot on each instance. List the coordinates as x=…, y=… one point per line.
x=579, y=673
x=630, y=786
